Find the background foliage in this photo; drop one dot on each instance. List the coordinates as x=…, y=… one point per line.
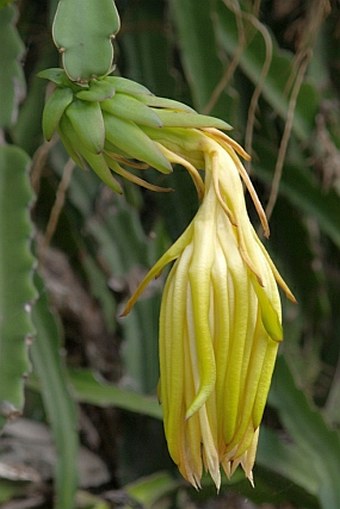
x=71, y=252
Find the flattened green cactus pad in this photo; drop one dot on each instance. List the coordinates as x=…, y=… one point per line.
x=83, y=31
x=17, y=290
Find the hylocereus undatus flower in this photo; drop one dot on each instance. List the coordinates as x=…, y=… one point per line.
x=220, y=320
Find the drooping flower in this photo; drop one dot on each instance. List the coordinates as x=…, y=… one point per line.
x=220, y=319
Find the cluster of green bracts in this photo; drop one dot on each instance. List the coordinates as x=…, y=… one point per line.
x=107, y=122
x=113, y=122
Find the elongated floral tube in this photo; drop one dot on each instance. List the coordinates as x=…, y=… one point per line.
x=220, y=319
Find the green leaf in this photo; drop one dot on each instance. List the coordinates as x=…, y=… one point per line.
x=58, y=403
x=149, y=490
x=12, y=81
x=89, y=389
x=319, y=444
x=286, y=459
x=17, y=291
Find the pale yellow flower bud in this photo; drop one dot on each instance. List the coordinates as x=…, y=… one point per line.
x=220, y=324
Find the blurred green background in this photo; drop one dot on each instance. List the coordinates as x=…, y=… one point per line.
x=71, y=252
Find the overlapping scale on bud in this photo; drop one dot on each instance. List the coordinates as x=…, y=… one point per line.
x=220, y=320
x=112, y=123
